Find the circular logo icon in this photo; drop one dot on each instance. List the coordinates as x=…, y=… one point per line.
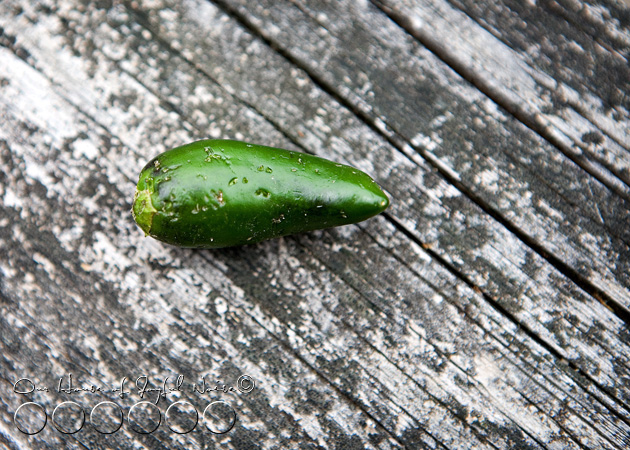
x=106, y=417
x=144, y=417
x=30, y=418
x=68, y=417
x=219, y=417
x=181, y=417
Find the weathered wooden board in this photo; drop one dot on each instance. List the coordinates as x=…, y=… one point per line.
x=529, y=204
x=562, y=82
x=606, y=21
x=465, y=317
x=422, y=121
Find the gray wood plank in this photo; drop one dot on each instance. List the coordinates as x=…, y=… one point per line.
x=430, y=231
x=562, y=84
x=546, y=39
x=166, y=302
x=402, y=346
x=607, y=21
x=515, y=157
x=150, y=312
x=231, y=76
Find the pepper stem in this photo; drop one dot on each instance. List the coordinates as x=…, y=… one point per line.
x=143, y=210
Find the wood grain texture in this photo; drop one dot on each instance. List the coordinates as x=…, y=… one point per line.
x=591, y=74
x=413, y=123
x=475, y=168
x=471, y=315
